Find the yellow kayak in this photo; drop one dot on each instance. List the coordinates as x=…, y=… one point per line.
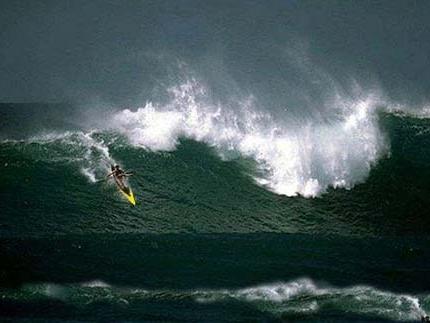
x=126, y=191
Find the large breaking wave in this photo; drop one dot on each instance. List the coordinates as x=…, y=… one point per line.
x=292, y=157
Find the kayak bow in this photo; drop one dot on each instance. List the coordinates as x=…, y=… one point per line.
x=126, y=191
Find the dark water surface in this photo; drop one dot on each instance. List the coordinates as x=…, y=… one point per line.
x=205, y=242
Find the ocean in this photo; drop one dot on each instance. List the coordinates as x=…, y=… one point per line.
x=207, y=240
x=281, y=164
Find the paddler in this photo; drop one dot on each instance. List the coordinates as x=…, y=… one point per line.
x=118, y=173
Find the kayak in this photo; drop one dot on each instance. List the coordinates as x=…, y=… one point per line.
x=126, y=191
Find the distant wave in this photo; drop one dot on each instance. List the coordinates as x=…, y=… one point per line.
x=298, y=297
x=304, y=296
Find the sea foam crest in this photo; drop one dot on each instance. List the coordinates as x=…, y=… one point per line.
x=306, y=297
x=294, y=158
x=300, y=296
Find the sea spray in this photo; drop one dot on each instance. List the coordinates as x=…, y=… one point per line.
x=292, y=159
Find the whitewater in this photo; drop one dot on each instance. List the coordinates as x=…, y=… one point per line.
x=302, y=297
x=290, y=158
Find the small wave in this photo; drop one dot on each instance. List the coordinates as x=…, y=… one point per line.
x=282, y=299
x=305, y=296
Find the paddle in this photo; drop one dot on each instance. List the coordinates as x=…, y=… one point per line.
x=129, y=173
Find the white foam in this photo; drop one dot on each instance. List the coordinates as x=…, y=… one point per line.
x=302, y=296
x=96, y=156
x=305, y=296
x=420, y=112
x=295, y=158
x=89, y=173
x=96, y=284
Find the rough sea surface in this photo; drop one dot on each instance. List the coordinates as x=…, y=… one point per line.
x=280, y=153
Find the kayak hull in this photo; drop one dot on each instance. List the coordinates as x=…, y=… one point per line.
x=130, y=197
x=126, y=191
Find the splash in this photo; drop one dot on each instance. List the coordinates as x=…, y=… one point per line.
x=293, y=158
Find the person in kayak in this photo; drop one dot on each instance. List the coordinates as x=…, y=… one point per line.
x=119, y=175
x=116, y=171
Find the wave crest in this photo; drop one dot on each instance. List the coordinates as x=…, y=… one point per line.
x=293, y=157
x=283, y=299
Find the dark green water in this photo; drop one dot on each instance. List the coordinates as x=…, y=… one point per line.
x=213, y=277
x=205, y=242
x=280, y=150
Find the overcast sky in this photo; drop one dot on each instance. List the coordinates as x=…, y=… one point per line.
x=84, y=50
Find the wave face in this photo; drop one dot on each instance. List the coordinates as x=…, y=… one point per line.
x=292, y=158
x=372, y=165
